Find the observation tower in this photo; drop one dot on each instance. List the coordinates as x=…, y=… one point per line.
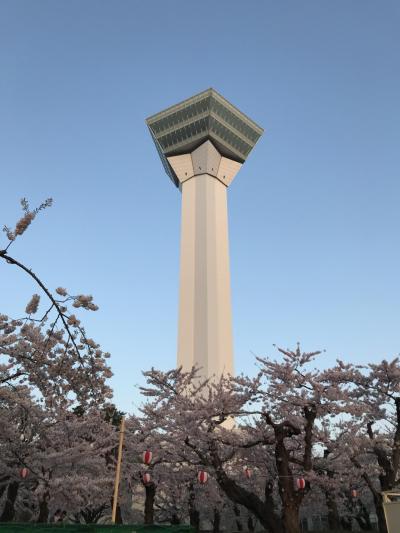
x=202, y=143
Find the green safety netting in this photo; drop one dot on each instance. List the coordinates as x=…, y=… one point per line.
x=90, y=528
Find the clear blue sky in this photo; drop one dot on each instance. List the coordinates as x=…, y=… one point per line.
x=314, y=213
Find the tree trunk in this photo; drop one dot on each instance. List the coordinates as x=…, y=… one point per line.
x=44, y=508
x=333, y=513
x=3, y=485
x=290, y=498
x=194, y=515
x=194, y=519
x=9, y=506
x=216, y=521
x=264, y=511
x=362, y=517
x=383, y=479
x=149, y=504
x=291, y=522
x=250, y=524
x=236, y=511
x=118, y=515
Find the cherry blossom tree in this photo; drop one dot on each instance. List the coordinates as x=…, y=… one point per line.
x=373, y=444
x=191, y=415
x=286, y=421
x=53, y=393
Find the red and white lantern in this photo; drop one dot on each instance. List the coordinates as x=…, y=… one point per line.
x=23, y=473
x=354, y=493
x=147, y=457
x=247, y=472
x=202, y=477
x=146, y=478
x=301, y=483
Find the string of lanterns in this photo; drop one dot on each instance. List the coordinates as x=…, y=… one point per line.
x=202, y=475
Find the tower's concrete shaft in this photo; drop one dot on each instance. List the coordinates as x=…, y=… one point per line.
x=205, y=322
x=203, y=143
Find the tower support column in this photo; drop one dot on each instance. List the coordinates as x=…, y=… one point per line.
x=205, y=321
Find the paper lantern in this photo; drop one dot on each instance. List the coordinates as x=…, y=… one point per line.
x=202, y=477
x=301, y=483
x=147, y=457
x=146, y=478
x=23, y=473
x=247, y=472
x=354, y=493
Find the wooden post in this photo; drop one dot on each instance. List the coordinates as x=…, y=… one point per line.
x=118, y=470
